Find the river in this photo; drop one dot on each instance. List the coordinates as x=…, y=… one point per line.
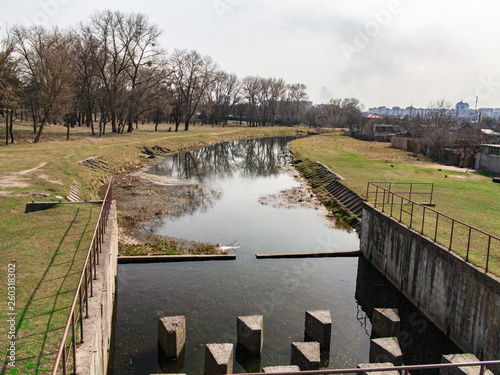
x=232, y=177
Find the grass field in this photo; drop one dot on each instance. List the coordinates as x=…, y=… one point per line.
x=468, y=197
x=49, y=247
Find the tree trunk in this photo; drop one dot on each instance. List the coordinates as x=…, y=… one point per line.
x=11, y=127
x=40, y=129
x=186, y=125
x=6, y=127
x=130, y=126
x=113, y=122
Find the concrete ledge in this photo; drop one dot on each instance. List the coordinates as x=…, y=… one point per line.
x=335, y=254
x=175, y=258
x=281, y=369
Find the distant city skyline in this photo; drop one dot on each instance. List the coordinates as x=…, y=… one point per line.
x=395, y=52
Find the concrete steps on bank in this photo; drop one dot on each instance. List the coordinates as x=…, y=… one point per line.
x=352, y=201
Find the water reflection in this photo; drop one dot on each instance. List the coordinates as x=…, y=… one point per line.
x=212, y=295
x=256, y=158
x=420, y=340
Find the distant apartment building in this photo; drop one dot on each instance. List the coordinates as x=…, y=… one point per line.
x=462, y=110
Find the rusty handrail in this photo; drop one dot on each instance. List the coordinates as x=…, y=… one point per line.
x=403, y=200
x=410, y=193
x=88, y=274
x=401, y=369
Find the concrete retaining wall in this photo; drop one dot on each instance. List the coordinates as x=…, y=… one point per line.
x=459, y=298
x=93, y=355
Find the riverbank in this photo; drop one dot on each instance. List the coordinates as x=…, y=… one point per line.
x=462, y=194
x=48, y=246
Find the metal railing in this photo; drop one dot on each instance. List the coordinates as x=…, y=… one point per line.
x=411, y=190
x=476, y=245
x=404, y=370
x=85, y=289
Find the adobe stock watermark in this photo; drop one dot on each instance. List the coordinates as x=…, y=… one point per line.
x=381, y=19
x=222, y=7
x=486, y=87
x=47, y=9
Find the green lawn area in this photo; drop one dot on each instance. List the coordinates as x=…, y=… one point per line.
x=49, y=247
x=468, y=197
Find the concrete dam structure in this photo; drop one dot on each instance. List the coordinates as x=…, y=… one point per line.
x=460, y=298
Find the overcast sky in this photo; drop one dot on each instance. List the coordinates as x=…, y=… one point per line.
x=391, y=53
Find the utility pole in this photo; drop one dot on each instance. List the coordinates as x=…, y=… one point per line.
x=475, y=109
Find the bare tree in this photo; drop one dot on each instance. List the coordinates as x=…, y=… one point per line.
x=10, y=86
x=192, y=75
x=438, y=132
x=46, y=65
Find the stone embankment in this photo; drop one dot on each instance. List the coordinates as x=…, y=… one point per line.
x=344, y=203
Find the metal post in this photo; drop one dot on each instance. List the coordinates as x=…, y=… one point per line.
x=451, y=234
x=81, y=314
x=488, y=255
x=376, y=196
x=411, y=215
x=411, y=189
x=401, y=212
x=95, y=265
x=468, y=245
x=432, y=193
x=437, y=223
x=423, y=221
x=481, y=370
x=383, y=202
x=392, y=202
x=91, y=280
x=73, y=340
x=86, y=294
x=98, y=245
x=64, y=359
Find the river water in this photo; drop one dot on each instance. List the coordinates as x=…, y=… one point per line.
x=232, y=177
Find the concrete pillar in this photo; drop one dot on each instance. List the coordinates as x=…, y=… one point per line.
x=319, y=327
x=281, y=369
x=172, y=335
x=218, y=359
x=386, y=349
x=306, y=355
x=373, y=365
x=461, y=358
x=250, y=333
x=385, y=322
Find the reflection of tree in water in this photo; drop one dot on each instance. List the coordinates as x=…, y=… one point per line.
x=258, y=157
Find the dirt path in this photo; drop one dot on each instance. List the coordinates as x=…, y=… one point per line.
x=16, y=180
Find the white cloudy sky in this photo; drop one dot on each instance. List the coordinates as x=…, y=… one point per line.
x=390, y=52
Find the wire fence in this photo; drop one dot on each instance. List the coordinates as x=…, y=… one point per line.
x=473, y=244
x=73, y=331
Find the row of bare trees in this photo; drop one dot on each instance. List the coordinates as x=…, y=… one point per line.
x=338, y=113
x=111, y=71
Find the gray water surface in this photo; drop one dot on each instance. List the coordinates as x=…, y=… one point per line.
x=233, y=176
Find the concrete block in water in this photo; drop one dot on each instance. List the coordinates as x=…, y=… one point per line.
x=218, y=359
x=319, y=327
x=373, y=365
x=281, y=369
x=306, y=355
x=251, y=333
x=386, y=322
x=172, y=335
x=386, y=349
x=461, y=358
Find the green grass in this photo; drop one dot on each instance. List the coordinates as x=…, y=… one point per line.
x=470, y=198
x=49, y=246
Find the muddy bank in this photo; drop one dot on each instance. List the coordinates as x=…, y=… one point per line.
x=141, y=201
